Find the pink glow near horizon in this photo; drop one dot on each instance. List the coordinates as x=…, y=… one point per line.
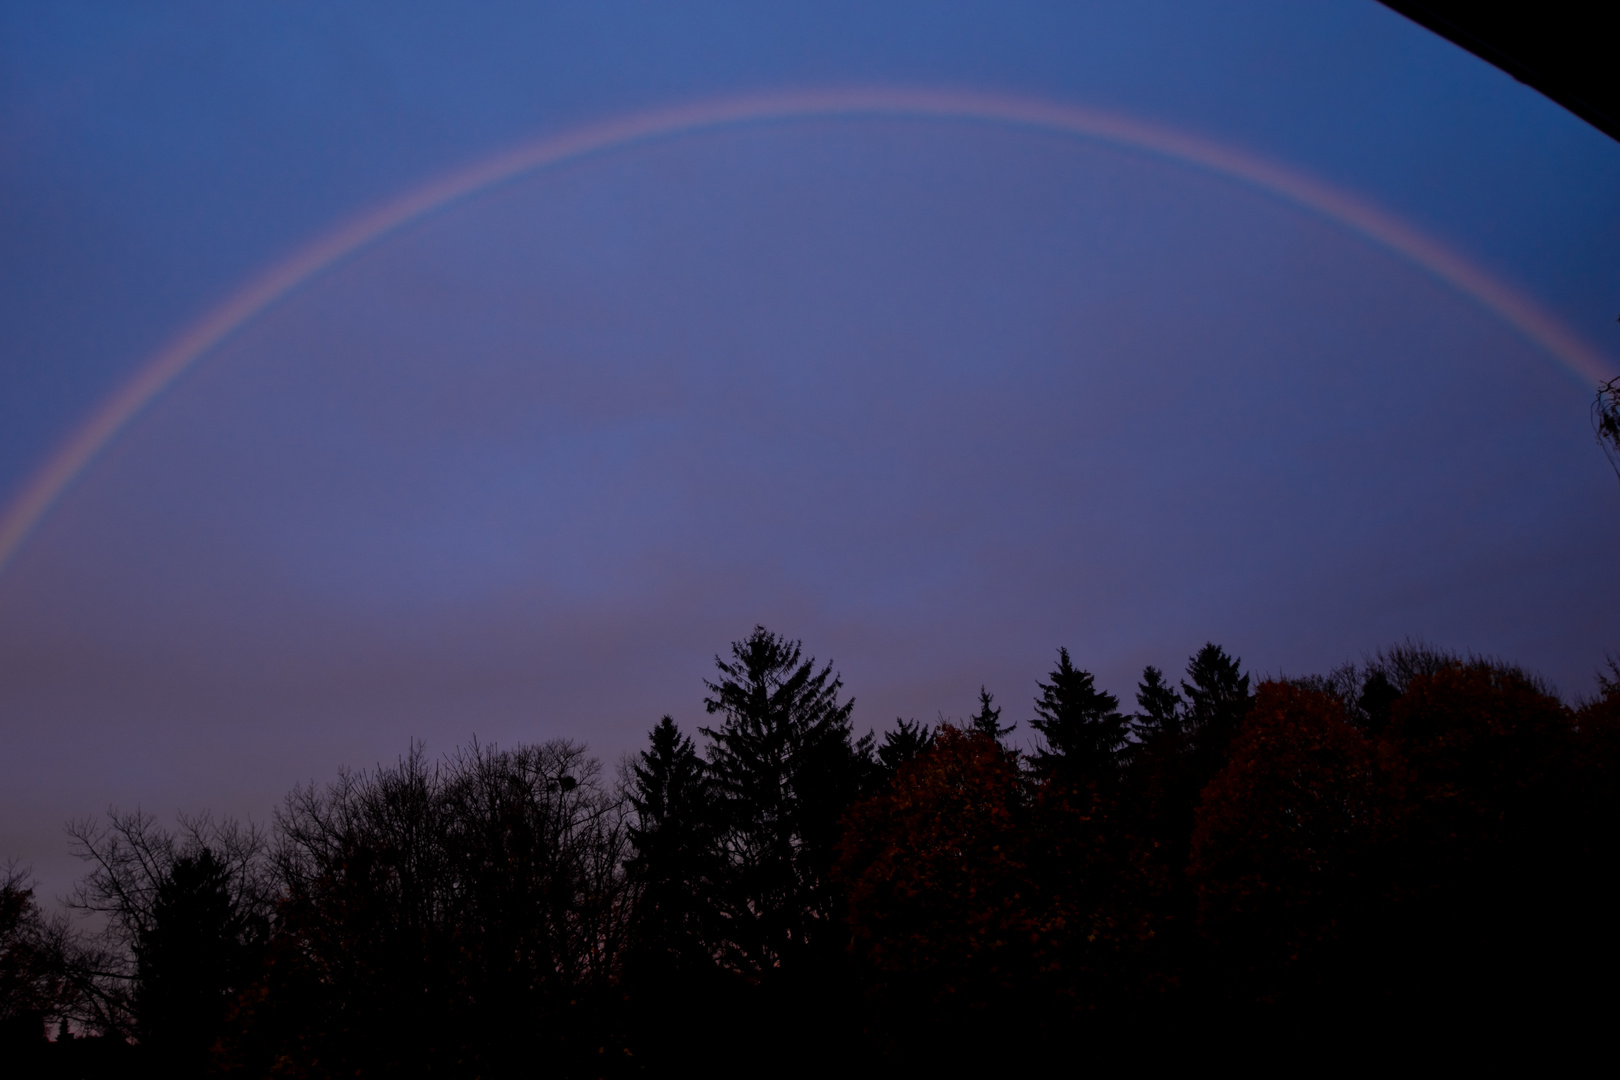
x=1519, y=311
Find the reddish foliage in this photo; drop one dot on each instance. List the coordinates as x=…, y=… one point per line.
x=1280, y=855
x=1483, y=748
x=1597, y=741
x=972, y=886
x=1444, y=861
x=937, y=874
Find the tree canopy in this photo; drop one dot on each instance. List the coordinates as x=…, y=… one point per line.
x=1421, y=836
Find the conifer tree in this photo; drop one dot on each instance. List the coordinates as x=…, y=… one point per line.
x=672, y=839
x=987, y=721
x=784, y=767
x=1081, y=725
x=1160, y=706
x=904, y=744
x=192, y=957
x=1218, y=699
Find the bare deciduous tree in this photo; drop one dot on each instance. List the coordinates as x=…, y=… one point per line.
x=454, y=907
x=1606, y=421
x=37, y=953
x=137, y=871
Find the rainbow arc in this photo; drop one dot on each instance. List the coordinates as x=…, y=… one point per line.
x=1519, y=311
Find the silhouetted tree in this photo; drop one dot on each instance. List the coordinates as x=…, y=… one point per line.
x=186, y=916
x=1284, y=852
x=908, y=740
x=1423, y=835
x=1400, y=664
x=35, y=987
x=977, y=902
x=1487, y=830
x=1377, y=699
x=942, y=908
x=987, y=721
x=1159, y=705
x=463, y=917
x=785, y=767
x=1217, y=700
x=1595, y=855
x=1606, y=421
x=1081, y=726
x=674, y=865
x=199, y=949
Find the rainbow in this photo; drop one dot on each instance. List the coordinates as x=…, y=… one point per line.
x=1536, y=324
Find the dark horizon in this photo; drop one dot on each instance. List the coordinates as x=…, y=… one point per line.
x=1414, y=848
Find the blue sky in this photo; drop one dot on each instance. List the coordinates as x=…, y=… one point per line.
x=937, y=398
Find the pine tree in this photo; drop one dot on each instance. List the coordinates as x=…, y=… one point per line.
x=987, y=721
x=904, y=744
x=785, y=767
x=673, y=839
x=1218, y=699
x=1160, y=705
x=1082, y=727
x=192, y=959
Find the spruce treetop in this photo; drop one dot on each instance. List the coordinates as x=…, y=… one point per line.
x=987, y=721
x=1081, y=725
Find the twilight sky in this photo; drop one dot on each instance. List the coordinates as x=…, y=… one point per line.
x=936, y=395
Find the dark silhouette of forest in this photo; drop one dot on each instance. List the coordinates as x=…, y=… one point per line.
x=1419, y=850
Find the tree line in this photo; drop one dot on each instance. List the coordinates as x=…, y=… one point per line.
x=1420, y=841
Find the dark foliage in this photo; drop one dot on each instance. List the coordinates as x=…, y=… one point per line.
x=1218, y=699
x=784, y=767
x=35, y=984
x=1160, y=716
x=1417, y=846
x=186, y=915
x=1081, y=726
x=1284, y=857
x=987, y=721
x=675, y=867
x=444, y=919
x=903, y=745
x=197, y=952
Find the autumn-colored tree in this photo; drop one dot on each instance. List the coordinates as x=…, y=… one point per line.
x=1491, y=836
x=937, y=878
x=1444, y=851
x=1483, y=745
x=1424, y=835
x=1597, y=727
x=980, y=896
x=1595, y=856
x=1285, y=851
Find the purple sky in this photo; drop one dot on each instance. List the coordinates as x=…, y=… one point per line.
x=936, y=397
